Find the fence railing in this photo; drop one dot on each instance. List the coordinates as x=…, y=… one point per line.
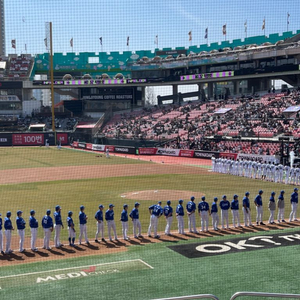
x=258, y=294
x=191, y=297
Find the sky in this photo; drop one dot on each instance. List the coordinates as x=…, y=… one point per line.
x=87, y=20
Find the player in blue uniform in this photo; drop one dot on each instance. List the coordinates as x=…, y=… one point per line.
x=82, y=225
x=134, y=215
x=21, y=224
x=33, y=224
x=214, y=214
x=259, y=208
x=71, y=229
x=57, y=226
x=100, y=224
x=8, y=230
x=156, y=212
x=294, y=205
x=124, y=220
x=224, y=205
x=47, y=224
x=272, y=208
x=179, y=216
x=1, y=236
x=203, y=209
x=280, y=205
x=246, y=210
x=168, y=213
x=235, y=212
x=109, y=217
x=191, y=208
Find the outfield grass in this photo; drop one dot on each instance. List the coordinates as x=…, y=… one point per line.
x=269, y=270
x=37, y=157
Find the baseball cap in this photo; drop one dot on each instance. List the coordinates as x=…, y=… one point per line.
x=8, y=214
x=159, y=202
x=57, y=207
x=192, y=198
x=224, y=196
x=111, y=205
x=282, y=192
x=32, y=212
x=125, y=205
x=70, y=213
x=136, y=204
x=260, y=191
x=295, y=189
x=101, y=206
x=215, y=199
x=247, y=194
x=180, y=201
x=235, y=196
x=81, y=207
x=203, y=198
x=48, y=212
x=168, y=202
x=273, y=193
x=19, y=212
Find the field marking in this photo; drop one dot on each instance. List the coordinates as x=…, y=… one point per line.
x=145, y=263
x=75, y=267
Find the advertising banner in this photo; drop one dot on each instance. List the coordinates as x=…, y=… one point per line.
x=63, y=138
x=28, y=139
x=229, y=155
x=122, y=149
x=89, y=146
x=96, y=147
x=75, y=144
x=167, y=151
x=147, y=151
x=82, y=145
x=206, y=154
x=186, y=153
x=6, y=139
x=110, y=148
x=257, y=157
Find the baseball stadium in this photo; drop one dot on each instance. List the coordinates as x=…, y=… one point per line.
x=147, y=147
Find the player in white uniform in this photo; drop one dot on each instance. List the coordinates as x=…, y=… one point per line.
x=280, y=173
x=292, y=158
x=264, y=171
x=273, y=171
x=292, y=176
x=213, y=163
x=259, y=169
x=254, y=169
x=241, y=168
x=297, y=177
x=287, y=170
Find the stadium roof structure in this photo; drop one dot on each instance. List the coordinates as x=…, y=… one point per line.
x=121, y=62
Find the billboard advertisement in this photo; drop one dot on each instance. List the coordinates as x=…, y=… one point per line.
x=28, y=139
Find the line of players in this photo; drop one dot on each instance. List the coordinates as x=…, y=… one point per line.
x=256, y=170
x=156, y=211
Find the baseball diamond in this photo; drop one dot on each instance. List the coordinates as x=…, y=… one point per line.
x=93, y=184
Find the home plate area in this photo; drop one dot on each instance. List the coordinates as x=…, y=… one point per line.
x=162, y=195
x=29, y=279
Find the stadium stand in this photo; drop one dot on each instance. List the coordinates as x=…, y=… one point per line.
x=188, y=126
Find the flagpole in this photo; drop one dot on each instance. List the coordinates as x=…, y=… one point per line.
x=287, y=22
x=265, y=26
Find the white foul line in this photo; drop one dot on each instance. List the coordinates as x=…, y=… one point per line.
x=145, y=263
x=56, y=270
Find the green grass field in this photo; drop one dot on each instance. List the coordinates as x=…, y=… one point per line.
x=172, y=274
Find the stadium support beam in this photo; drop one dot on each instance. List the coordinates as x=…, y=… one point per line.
x=210, y=90
x=52, y=82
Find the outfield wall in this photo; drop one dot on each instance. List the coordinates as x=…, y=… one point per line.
x=173, y=152
x=32, y=139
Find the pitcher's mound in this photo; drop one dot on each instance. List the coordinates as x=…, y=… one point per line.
x=163, y=195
